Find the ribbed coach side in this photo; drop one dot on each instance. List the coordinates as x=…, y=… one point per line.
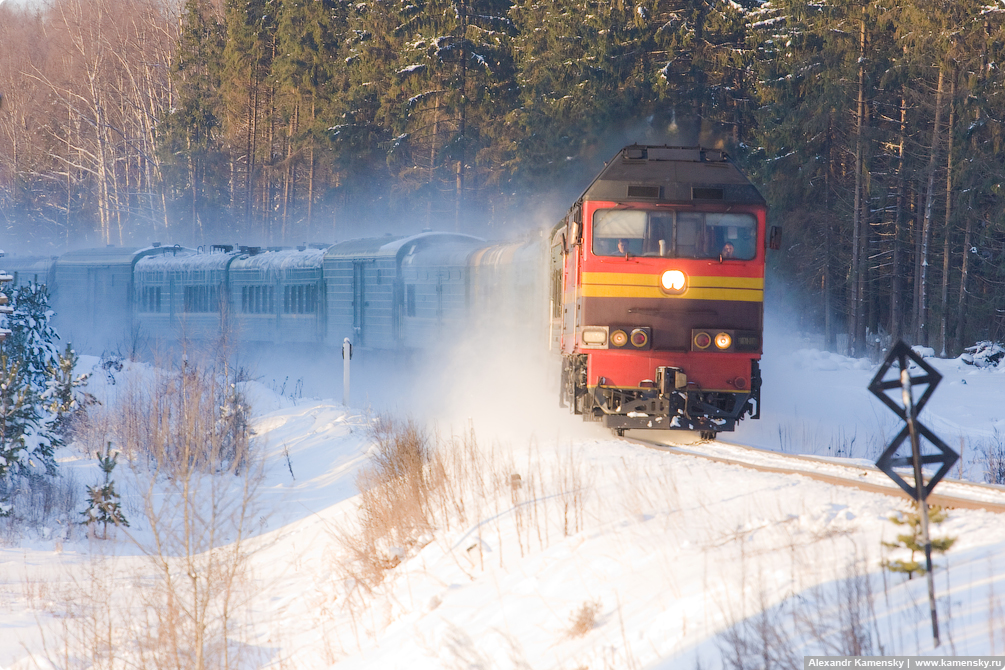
x=93, y=296
x=278, y=296
x=181, y=294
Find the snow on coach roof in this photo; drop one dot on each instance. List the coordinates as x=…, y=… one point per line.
x=392, y=246
x=277, y=264
x=185, y=259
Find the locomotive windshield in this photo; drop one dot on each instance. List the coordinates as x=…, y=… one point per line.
x=617, y=232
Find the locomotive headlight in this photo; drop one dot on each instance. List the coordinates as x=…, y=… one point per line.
x=619, y=338
x=723, y=340
x=673, y=281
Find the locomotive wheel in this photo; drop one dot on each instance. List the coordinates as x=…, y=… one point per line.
x=707, y=434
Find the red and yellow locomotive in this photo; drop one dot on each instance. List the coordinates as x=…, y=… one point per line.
x=657, y=288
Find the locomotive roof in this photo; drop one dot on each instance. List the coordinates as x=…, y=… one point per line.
x=673, y=174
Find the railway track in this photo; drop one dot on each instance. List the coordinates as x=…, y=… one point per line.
x=858, y=474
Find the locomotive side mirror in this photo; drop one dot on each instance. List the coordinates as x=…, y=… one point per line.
x=575, y=230
x=775, y=238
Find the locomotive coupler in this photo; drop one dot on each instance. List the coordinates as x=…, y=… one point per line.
x=670, y=379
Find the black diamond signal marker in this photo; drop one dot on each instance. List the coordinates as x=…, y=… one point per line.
x=887, y=462
x=901, y=354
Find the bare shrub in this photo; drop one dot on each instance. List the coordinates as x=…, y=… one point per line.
x=584, y=619
x=840, y=617
x=42, y=505
x=397, y=499
x=759, y=641
x=837, y=619
x=416, y=486
x=185, y=438
x=191, y=451
x=191, y=419
x=993, y=454
x=647, y=492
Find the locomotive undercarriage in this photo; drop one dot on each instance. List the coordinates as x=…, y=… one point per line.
x=662, y=407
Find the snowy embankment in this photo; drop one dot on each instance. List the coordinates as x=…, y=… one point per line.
x=572, y=548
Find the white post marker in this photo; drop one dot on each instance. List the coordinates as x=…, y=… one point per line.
x=346, y=356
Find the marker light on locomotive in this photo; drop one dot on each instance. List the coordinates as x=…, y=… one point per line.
x=639, y=338
x=595, y=337
x=723, y=340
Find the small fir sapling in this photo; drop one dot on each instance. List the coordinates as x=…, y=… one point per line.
x=912, y=540
x=64, y=398
x=103, y=501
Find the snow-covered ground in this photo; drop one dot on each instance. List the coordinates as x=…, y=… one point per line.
x=601, y=554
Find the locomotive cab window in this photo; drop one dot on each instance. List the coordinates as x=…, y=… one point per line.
x=621, y=232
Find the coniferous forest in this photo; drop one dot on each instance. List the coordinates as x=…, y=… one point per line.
x=874, y=130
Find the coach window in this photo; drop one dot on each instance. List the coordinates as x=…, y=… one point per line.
x=150, y=299
x=410, y=300
x=300, y=299
x=201, y=299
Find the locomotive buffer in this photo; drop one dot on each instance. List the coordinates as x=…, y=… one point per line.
x=919, y=491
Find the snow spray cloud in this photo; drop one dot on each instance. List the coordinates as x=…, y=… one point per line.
x=498, y=378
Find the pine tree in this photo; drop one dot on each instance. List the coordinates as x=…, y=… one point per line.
x=913, y=541
x=64, y=398
x=29, y=439
x=577, y=76
x=22, y=453
x=32, y=342
x=359, y=127
x=247, y=92
x=450, y=82
x=310, y=76
x=103, y=501
x=698, y=63
x=820, y=69
x=190, y=134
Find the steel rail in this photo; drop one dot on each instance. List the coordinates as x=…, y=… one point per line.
x=941, y=499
